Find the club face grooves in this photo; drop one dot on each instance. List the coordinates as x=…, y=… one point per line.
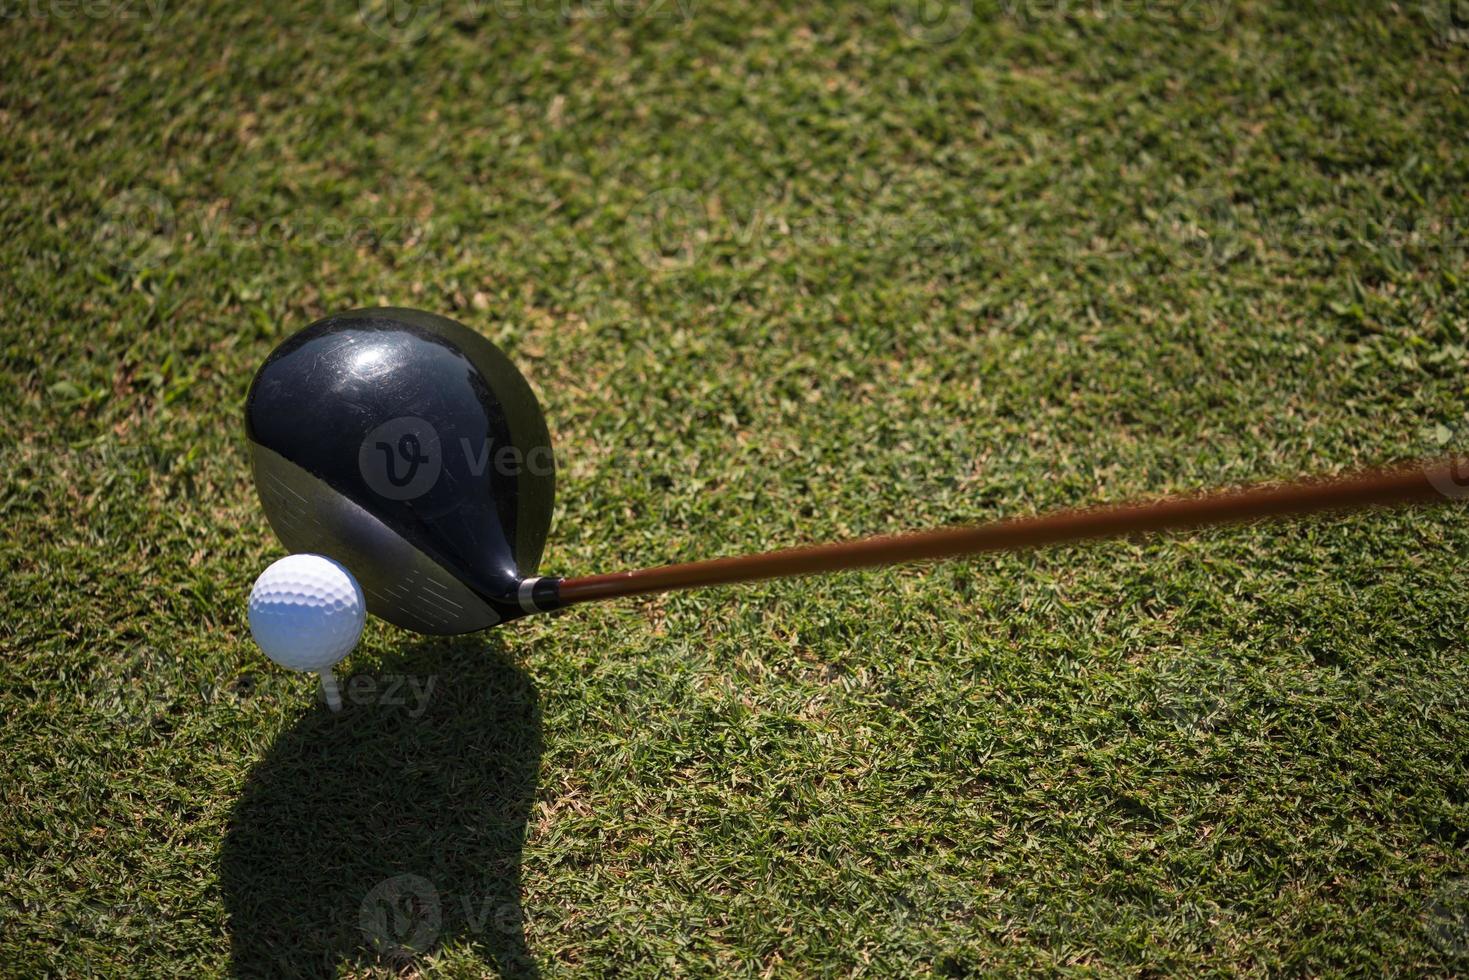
x=402, y=584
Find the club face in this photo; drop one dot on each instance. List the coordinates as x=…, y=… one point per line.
x=410, y=449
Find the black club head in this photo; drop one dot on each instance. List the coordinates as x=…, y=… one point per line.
x=410, y=449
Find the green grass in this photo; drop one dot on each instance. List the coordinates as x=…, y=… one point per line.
x=781, y=274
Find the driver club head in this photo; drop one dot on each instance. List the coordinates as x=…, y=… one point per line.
x=410, y=449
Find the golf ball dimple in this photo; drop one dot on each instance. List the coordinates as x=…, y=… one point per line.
x=306, y=612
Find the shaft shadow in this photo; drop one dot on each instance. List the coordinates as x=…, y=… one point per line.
x=393, y=828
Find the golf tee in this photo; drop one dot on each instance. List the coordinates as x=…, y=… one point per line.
x=330, y=691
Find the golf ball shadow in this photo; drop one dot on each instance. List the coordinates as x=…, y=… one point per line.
x=393, y=829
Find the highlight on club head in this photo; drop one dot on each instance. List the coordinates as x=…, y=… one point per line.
x=410, y=449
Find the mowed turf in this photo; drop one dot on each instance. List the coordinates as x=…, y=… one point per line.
x=780, y=273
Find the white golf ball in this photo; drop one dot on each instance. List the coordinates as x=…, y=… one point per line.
x=306, y=612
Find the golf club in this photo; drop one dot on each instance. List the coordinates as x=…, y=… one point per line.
x=411, y=450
